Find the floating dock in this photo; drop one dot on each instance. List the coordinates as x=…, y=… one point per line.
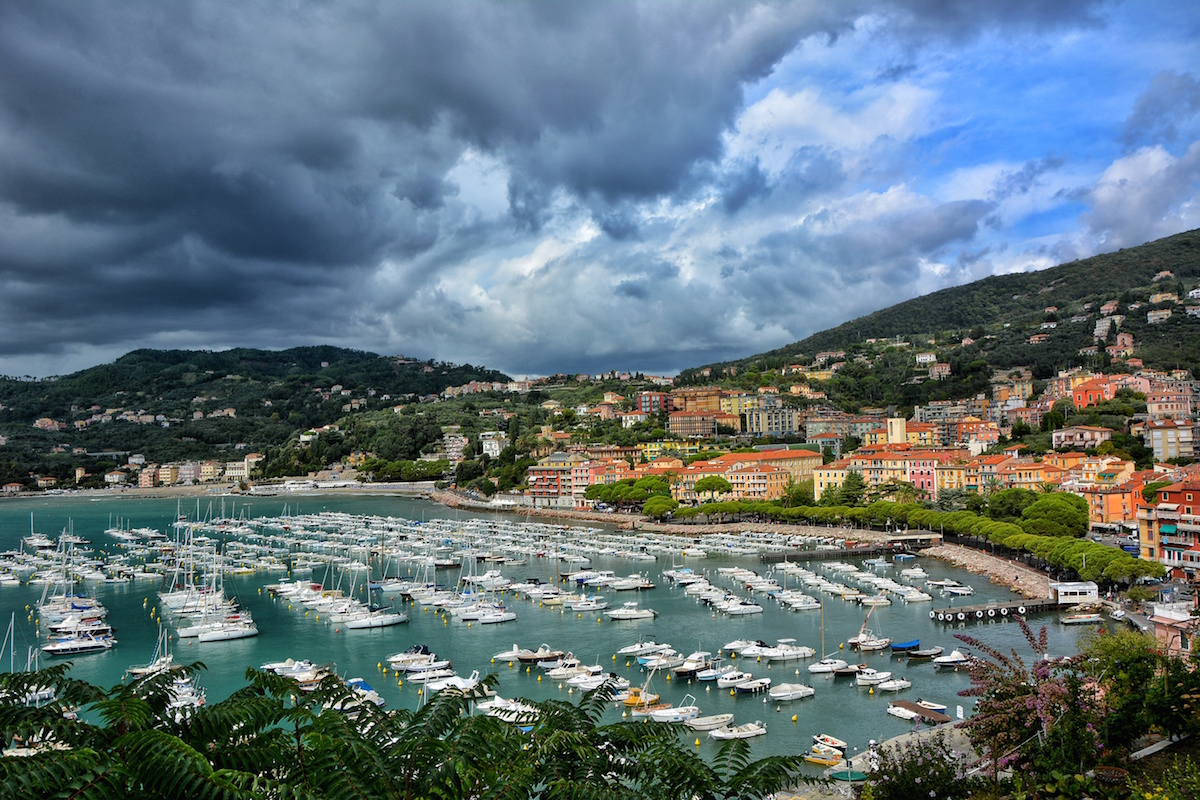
x=798, y=556
x=985, y=611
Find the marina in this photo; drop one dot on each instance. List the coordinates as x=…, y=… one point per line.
x=334, y=549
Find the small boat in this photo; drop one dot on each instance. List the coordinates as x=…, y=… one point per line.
x=871, y=677
x=829, y=741
x=790, y=691
x=956, y=659
x=715, y=671
x=827, y=665
x=731, y=679
x=544, y=653
x=822, y=759
x=710, y=722
x=753, y=686
x=1082, y=619
x=642, y=649
x=903, y=647
x=849, y=671
x=681, y=713
x=925, y=654
x=639, y=697
x=902, y=712
x=932, y=706
x=894, y=685
x=756, y=728
x=647, y=710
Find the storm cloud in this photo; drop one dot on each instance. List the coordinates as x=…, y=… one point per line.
x=545, y=186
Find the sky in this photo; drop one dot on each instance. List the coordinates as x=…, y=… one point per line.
x=542, y=187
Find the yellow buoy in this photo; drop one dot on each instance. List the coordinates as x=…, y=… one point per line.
x=697, y=742
x=539, y=678
x=871, y=690
x=597, y=620
x=579, y=616
x=614, y=656
x=668, y=677
x=731, y=692
x=793, y=719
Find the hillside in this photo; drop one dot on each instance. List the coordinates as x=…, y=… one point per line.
x=182, y=404
x=1010, y=308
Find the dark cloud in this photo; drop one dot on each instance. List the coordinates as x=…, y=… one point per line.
x=212, y=174
x=1026, y=178
x=1169, y=102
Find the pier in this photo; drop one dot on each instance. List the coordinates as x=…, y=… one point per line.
x=979, y=613
x=798, y=555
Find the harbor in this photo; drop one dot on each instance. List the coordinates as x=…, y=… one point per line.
x=712, y=594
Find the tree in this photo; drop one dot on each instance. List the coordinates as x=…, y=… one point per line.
x=1058, y=514
x=852, y=491
x=269, y=739
x=658, y=506
x=711, y=485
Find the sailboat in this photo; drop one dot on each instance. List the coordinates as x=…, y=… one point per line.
x=866, y=638
x=828, y=662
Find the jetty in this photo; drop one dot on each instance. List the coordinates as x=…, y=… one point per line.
x=833, y=554
x=993, y=610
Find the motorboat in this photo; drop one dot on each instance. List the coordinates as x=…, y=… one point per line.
x=871, y=676
x=956, y=658
x=732, y=679
x=544, y=653
x=715, y=670
x=787, y=650
x=753, y=686
x=630, y=611
x=642, y=648
x=902, y=712
x=894, y=685
x=1082, y=619
x=932, y=706
x=902, y=647
x=790, y=691
x=756, y=728
x=849, y=671
x=681, y=713
x=77, y=645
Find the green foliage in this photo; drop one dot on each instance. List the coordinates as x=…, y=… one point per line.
x=270, y=740
x=1057, y=514
x=712, y=484
x=924, y=767
x=1179, y=781
x=659, y=506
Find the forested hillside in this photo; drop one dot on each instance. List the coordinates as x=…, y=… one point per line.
x=180, y=404
x=1002, y=312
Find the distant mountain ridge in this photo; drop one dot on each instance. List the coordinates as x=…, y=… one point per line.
x=1010, y=307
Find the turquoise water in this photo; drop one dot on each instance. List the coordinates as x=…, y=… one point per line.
x=839, y=707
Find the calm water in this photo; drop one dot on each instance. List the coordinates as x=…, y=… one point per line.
x=839, y=708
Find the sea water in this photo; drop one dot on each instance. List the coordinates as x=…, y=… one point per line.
x=839, y=707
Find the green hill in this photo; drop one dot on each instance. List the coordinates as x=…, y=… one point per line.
x=1003, y=312
x=187, y=404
